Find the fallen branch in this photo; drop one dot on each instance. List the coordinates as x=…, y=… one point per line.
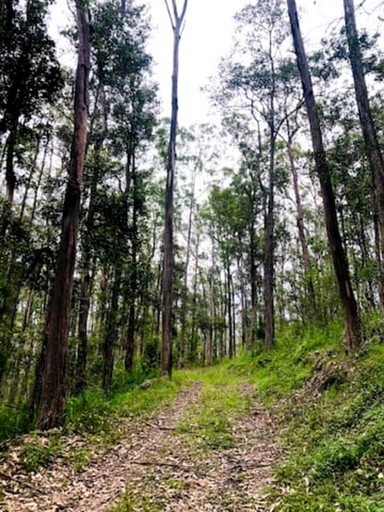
x=164, y=464
x=25, y=484
x=154, y=425
x=173, y=429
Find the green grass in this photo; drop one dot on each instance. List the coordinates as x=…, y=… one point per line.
x=40, y=452
x=208, y=424
x=289, y=363
x=333, y=434
x=129, y=503
x=94, y=413
x=98, y=420
x=12, y=423
x=331, y=410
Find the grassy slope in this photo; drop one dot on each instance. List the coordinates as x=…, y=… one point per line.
x=95, y=420
x=332, y=428
x=207, y=425
x=331, y=409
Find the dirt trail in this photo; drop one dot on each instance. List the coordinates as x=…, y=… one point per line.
x=158, y=470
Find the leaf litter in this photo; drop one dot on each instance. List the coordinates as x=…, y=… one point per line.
x=154, y=469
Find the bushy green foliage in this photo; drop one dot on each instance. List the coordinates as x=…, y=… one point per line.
x=290, y=362
x=94, y=413
x=333, y=434
x=40, y=452
x=12, y=423
x=95, y=417
x=91, y=412
x=151, y=354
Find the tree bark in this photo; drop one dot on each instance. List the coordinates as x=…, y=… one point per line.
x=32, y=172
x=130, y=350
x=82, y=349
x=193, y=335
x=353, y=331
x=269, y=237
x=253, y=275
x=234, y=338
x=168, y=265
x=52, y=386
x=310, y=288
x=86, y=260
x=229, y=308
x=184, y=296
x=269, y=309
x=243, y=302
x=111, y=331
x=372, y=146
x=10, y=177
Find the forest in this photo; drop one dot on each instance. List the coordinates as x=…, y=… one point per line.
x=207, y=280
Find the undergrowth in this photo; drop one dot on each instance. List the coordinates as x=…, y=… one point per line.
x=98, y=420
x=289, y=363
x=12, y=423
x=331, y=409
x=95, y=413
x=332, y=415
x=208, y=424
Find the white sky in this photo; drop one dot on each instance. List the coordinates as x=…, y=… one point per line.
x=208, y=37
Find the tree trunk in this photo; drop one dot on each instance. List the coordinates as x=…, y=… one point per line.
x=184, y=296
x=269, y=235
x=253, y=271
x=243, y=304
x=82, y=349
x=352, y=323
x=269, y=313
x=166, y=352
x=231, y=351
x=310, y=289
x=130, y=349
x=166, y=349
x=85, y=292
x=52, y=386
x=193, y=335
x=32, y=172
x=378, y=254
x=234, y=340
x=372, y=146
x=223, y=315
x=111, y=331
x=10, y=177
x=39, y=179
x=86, y=286
x=207, y=332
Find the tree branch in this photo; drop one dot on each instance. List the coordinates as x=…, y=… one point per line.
x=175, y=10
x=184, y=10
x=170, y=14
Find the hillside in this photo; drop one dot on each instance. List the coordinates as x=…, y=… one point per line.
x=299, y=428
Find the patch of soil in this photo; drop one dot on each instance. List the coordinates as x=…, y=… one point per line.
x=157, y=469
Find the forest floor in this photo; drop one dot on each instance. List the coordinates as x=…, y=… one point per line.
x=297, y=429
x=211, y=449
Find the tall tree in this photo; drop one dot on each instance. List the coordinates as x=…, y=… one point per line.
x=373, y=149
x=51, y=385
x=309, y=284
x=30, y=75
x=177, y=20
x=353, y=332
x=260, y=83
